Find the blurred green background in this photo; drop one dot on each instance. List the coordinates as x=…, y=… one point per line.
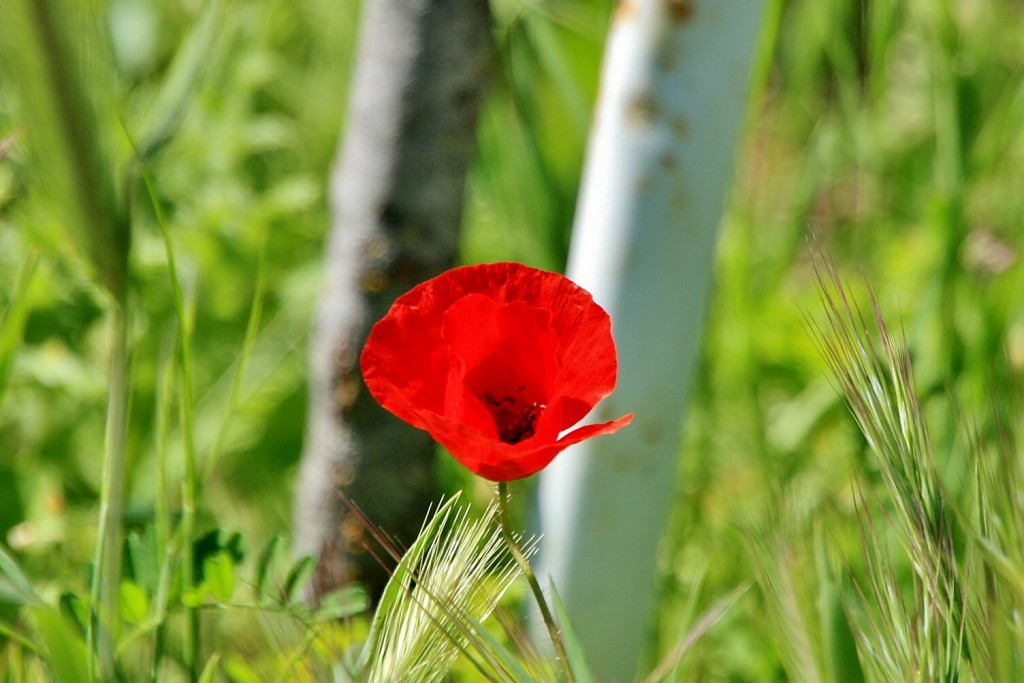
x=888, y=134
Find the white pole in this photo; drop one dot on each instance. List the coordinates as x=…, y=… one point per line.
x=673, y=93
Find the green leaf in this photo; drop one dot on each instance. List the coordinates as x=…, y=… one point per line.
x=144, y=557
x=12, y=322
x=239, y=670
x=193, y=597
x=297, y=579
x=840, y=646
x=210, y=670
x=18, y=581
x=186, y=72
x=219, y=576
x=498, y=653
x=9, y=631
x=9, y=595
x=66, y=653
x=577, y=660
x=216, y=554
x=213, y=543
x=133, y=602
x=264, y=567
x=75, y=609
x=342, y=603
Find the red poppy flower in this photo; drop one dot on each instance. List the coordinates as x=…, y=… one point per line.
x=495, y=361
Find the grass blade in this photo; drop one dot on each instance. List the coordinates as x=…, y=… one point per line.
x=17, y=579
x=53, y=54
x=182, y=82
x=577, y=660
x=12, y=322
x=66, y=653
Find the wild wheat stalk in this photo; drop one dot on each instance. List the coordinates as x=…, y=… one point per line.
x=431, y=611
x=924, y=641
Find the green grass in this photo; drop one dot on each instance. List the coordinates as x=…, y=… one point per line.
x=888, y=131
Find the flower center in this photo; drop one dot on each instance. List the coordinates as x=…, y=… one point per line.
x=514, y=416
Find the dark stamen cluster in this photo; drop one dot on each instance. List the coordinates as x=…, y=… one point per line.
x=514, y=416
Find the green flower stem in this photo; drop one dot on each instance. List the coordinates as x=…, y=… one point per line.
x=531, y=578
x=107, y=573
x=188, y=514
x=190, y=485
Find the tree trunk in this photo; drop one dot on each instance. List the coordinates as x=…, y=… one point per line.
x=673, y=92
x=397, y=197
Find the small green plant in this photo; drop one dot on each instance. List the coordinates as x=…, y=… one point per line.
x=945, y=612
x=922, y=637
x=152, y=598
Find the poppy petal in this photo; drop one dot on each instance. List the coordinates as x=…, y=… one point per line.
x=496, y=362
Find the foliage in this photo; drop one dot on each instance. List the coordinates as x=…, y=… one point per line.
x=881, y=547
x=878, y=140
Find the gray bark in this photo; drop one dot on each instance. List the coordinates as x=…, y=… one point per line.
x=397, y=196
